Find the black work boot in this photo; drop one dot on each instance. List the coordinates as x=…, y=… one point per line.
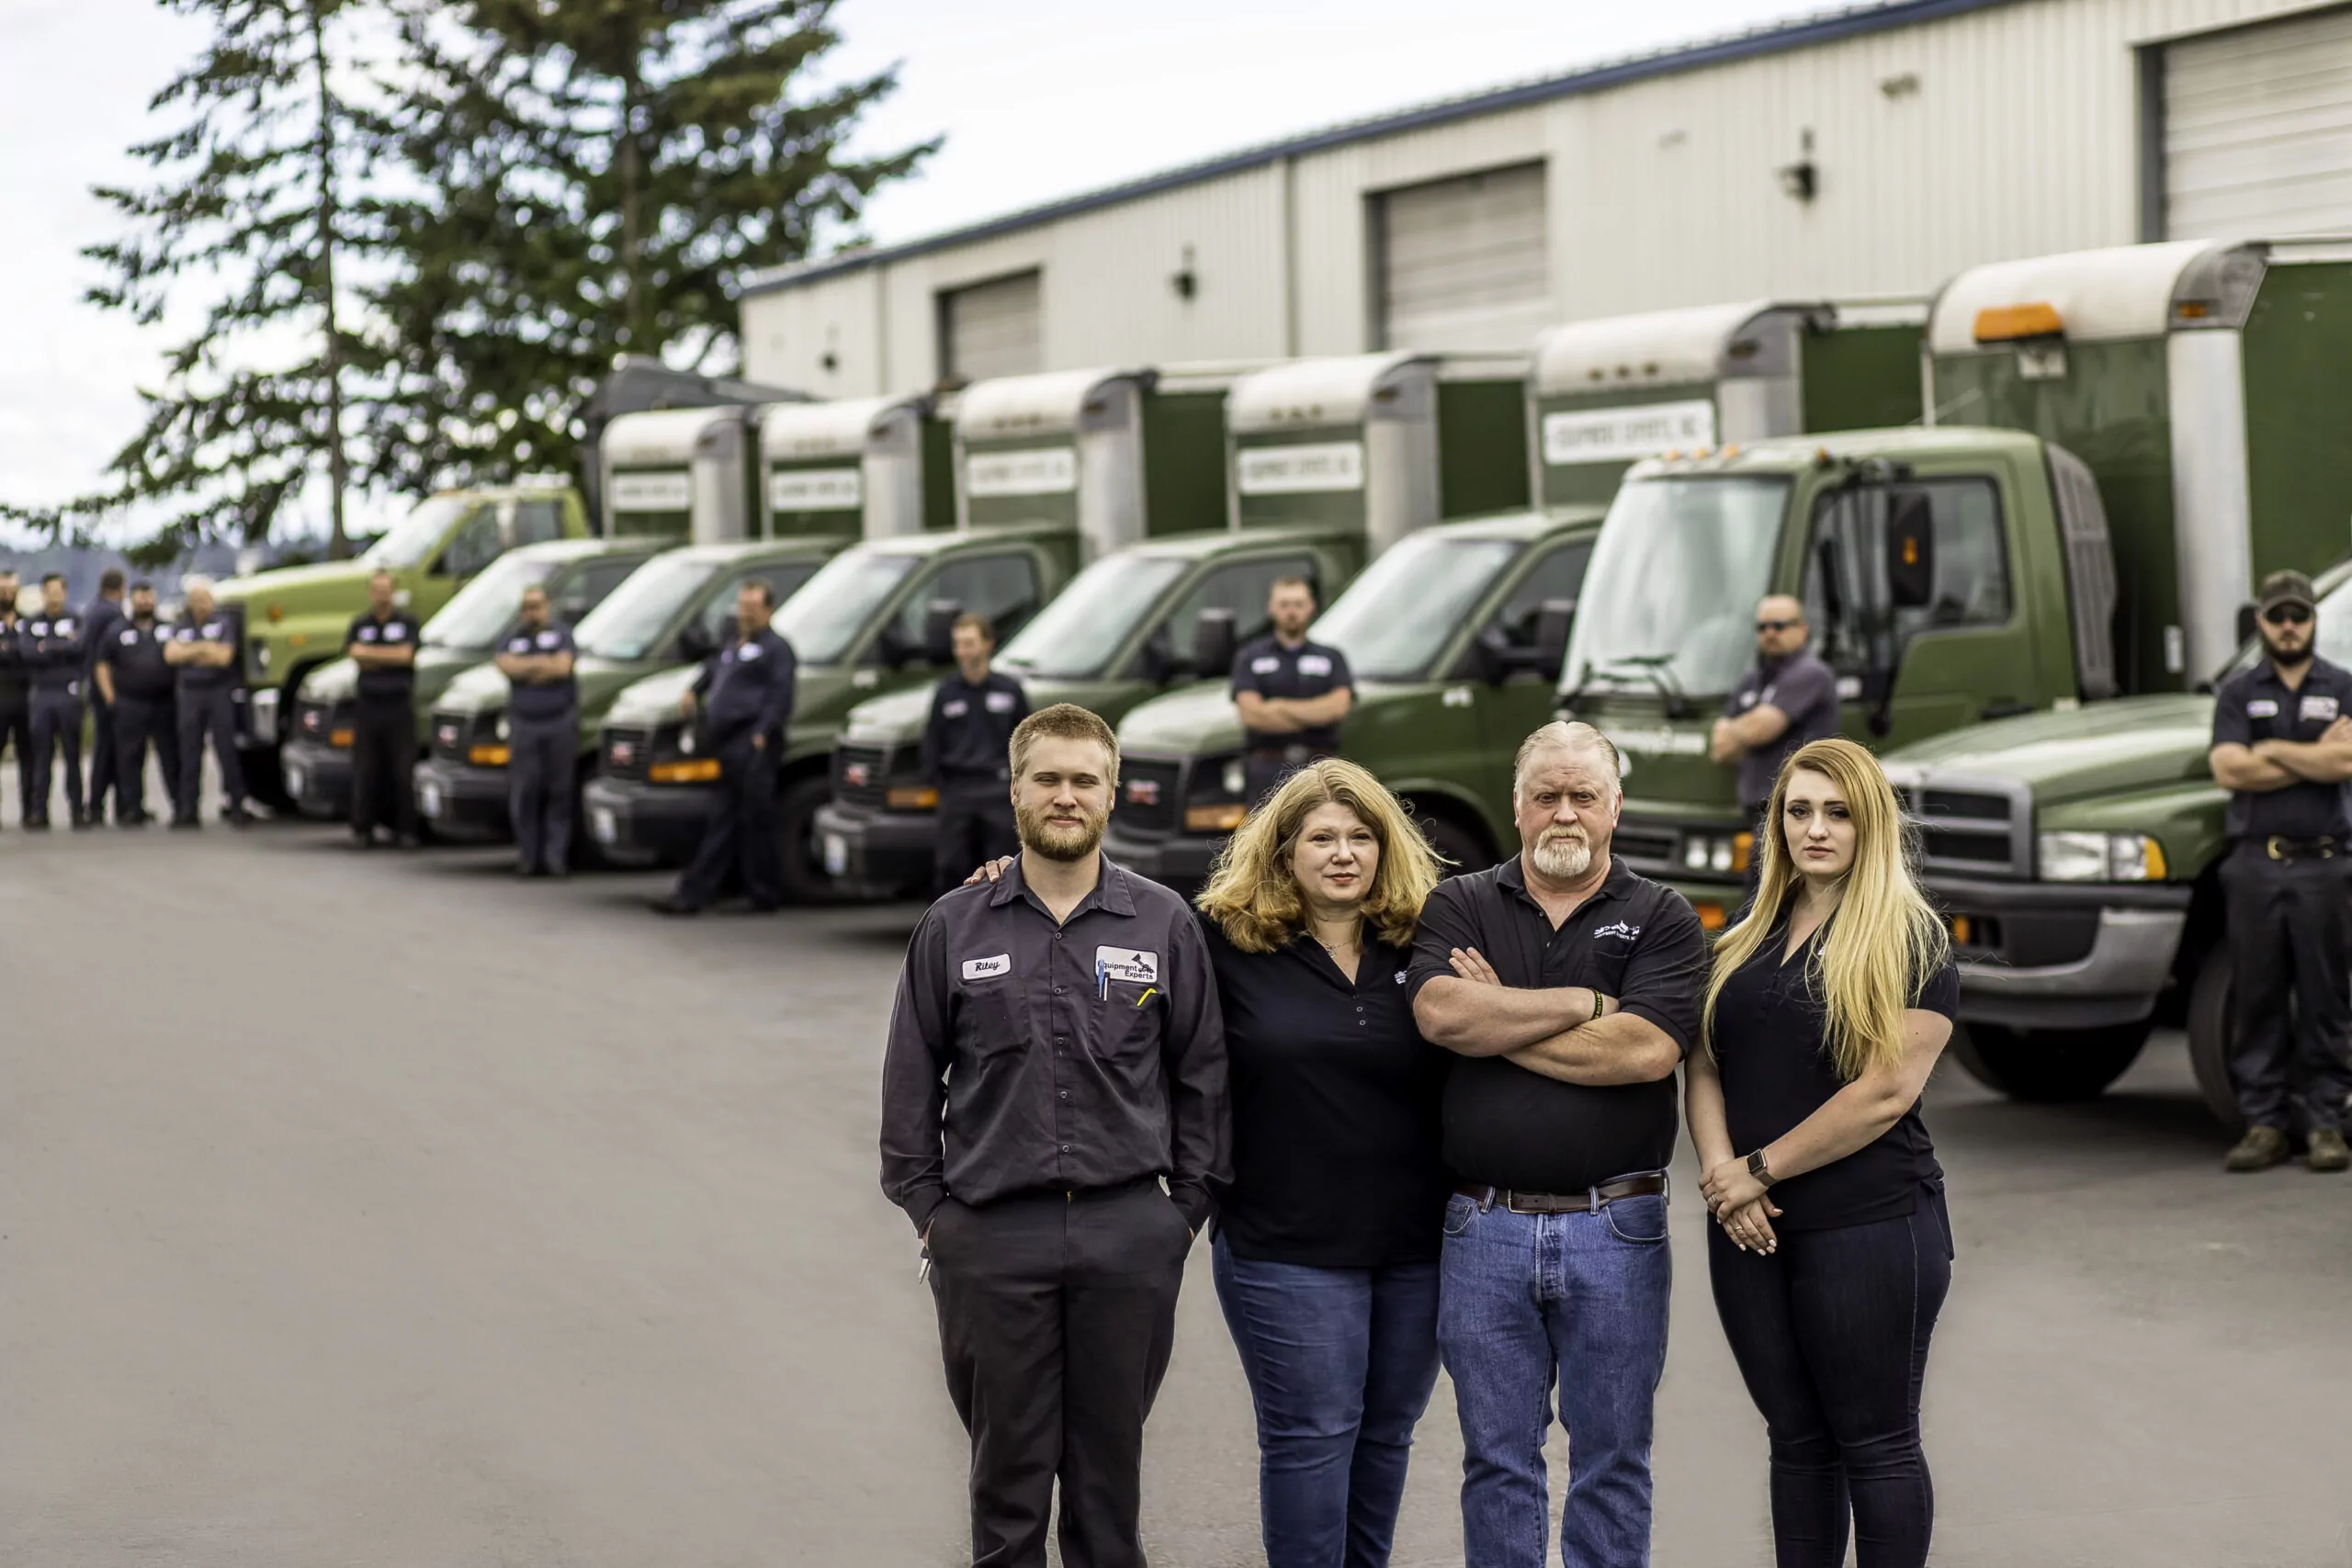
x=2326, y=1150
x=2261, y=1148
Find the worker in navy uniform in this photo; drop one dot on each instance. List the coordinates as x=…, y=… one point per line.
x=383, y=641
x=1786, y=700
x=1290, y=694
x=203, y=648
x=135, y=683
x=743, y=699
x=100, y=619
x=53, y=640
x=16, y=687
x=973, y=714
x=543, y=723
x=1055, y=1053
x=2282, y=747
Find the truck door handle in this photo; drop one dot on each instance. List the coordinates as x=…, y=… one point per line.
x=2004, y=708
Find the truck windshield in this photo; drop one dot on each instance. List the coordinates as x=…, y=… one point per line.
x=833, y=608
x=1670, y=601
x=1076, y=634
x=627, y=625
x=471, y=622
x=408, y=541
x=1394, y=619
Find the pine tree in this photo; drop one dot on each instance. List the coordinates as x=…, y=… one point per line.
x=602, y=175
x=254, y=200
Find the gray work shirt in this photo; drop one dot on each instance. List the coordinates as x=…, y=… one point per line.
x=1800, y=685
x=1025, y=1056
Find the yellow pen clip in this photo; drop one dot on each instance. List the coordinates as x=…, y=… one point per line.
x=1149, y=992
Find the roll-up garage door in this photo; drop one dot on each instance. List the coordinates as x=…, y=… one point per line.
x=2257, y=130
x=1462, y=262
x=991, y=329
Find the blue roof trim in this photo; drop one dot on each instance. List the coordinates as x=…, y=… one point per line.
x=1827, y=27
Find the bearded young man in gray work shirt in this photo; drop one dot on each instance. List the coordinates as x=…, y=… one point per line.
x=1788, y=699
x=1054, y=1051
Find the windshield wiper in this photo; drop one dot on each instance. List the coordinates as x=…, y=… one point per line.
x=1658, y=670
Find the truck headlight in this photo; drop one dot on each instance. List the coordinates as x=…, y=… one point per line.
x=2098, y=857
x=505, y=730
x=1235, y=777
x=261, y=656
x=1723, y=854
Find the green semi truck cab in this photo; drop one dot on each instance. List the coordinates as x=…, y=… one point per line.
x=577, y=574
x=1304, y=447
x=2078, y=852
x=293, y=619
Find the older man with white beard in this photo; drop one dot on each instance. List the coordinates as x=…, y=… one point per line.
x=1570, y=988
x=1055, y=1053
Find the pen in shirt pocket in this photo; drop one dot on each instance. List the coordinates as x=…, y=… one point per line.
x=1102, y=981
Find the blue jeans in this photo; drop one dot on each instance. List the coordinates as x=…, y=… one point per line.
x=1527, y=1300
x=1341, y=1363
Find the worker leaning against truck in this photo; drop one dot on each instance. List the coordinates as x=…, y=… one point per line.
x=1290, y=694
x=2282, y=747
x=1787, y=700
x=965, y=746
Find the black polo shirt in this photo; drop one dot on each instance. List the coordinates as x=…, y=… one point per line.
x=2255, y=705
x=16, y=669
x=216, y=627
x=550, y=700
x=1310, y=670
x=1771, y=1044
x=969, y=737
x=1028, y=1056
x=1800, y=685
x=398, y=629
x=1336, y=1136
x=134, y=649
x=1635, y=939
x=58, y=655
x=747, y=688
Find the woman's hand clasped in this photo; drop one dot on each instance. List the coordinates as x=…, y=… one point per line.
x=1736, y=1199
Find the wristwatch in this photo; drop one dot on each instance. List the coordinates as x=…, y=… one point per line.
x=1759, y=1170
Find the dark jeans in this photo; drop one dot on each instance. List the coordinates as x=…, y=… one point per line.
x=1057, y=1314
x=538, y=789
x=2291, y=936
x=1831, y=1333
x=1341, y=1363
x=384, y=766
x=103, y=778
x=741, y=837
x=1527, y=1300
x=975, y=825
x=16, y=729
x=139, y=722
x=57, y=726
x=207, y=711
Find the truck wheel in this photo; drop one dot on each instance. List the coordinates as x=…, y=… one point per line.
x=804, y=877
x=265, y=781
x=2048, y=1065
x=1457, y=848
x=2209, y=1039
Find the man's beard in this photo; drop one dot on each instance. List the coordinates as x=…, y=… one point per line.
x=1054, y=842
x=1562, y=855
x=2302, y=656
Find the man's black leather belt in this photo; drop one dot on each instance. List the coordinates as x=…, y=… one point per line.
x=1582, y=1202
x=2279, y=847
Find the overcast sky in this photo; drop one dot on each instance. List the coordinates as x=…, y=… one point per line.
x=1037, y=98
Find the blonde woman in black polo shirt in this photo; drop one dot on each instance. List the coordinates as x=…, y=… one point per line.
x=1326, y=1256
x=1828, y=1007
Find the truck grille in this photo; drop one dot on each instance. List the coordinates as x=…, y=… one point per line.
x=1649, y=851
x=861, y=776
x=1969, y=827
x=319, y=721
x=1149, y=791
x=625, y=754
x=454, y=733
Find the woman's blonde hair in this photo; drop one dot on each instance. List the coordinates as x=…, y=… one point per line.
x=1884, y=937
x=1253, y=896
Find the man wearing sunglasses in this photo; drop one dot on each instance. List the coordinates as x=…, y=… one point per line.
x=1788, y=698
x=2282, y=747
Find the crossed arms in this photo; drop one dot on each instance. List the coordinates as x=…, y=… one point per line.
x=2262, y=766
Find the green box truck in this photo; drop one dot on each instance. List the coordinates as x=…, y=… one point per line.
x=1456, y=634
x=2078, y=850
x=1043, y=467
x=1320, y=457
x=577, y=575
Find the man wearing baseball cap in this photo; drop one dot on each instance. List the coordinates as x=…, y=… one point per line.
x=2282, y=747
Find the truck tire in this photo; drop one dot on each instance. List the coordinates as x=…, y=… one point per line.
x=2048, y=1067
x=1458, y=849
x=265, y=781
x=2209, y=1039
x=803, y=872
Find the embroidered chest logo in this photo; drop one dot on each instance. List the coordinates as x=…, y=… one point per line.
x=1621, y=930
x=955, y=709
x=1314, y=664
x=1000, y=702
x=1130, y=965
x=1265, y=666
x=2319, y=710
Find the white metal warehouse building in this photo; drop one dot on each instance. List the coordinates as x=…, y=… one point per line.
x=1871, y=151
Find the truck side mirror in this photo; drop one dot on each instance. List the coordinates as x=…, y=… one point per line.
x=2248, y=624
x=1910, y=550
x=695, y=644
x=1214, y=643
x=939, y=630
x=1553, y=622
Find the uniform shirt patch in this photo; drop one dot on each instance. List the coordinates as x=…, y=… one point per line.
x=548, y=639
x=2262, y=707
x=1750, y=699
x=1132, y=965
x=1265, y=666
x=988, y=968
x=395, y=633
x=1621, y=930
x=1000, y=702
x=2319, y=710
x=1314, y=664
x=955, y=709
x=748, y=650
x=129, y=637
x=368, y=634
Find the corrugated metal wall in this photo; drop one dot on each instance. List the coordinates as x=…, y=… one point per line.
x=2010, y=132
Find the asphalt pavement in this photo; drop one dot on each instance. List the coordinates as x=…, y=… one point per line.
x=381, y=1209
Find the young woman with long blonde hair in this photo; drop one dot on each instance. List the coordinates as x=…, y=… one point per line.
x=1828, y=1007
